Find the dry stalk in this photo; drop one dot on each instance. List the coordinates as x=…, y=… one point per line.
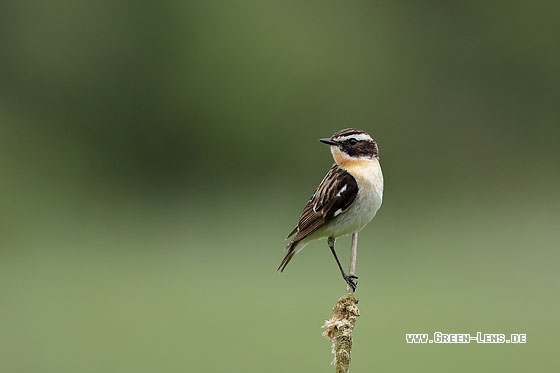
x=340, y=327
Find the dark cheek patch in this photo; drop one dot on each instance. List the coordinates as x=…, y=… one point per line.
x=362, y=149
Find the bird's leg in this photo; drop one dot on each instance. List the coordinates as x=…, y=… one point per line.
x=348, y=278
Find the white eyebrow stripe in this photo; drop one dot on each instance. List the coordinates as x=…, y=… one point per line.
x=342, y=190
x=359, y=137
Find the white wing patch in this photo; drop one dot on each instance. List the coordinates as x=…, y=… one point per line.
x=342, y=190
x=338, y=212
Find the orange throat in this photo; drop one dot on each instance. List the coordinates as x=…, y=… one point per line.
x=348, y=163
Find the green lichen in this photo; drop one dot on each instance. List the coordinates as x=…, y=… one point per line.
x=339, y=329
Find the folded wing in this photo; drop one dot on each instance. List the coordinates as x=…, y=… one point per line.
x=333, y=197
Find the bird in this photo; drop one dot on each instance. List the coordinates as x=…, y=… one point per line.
x=345, y=201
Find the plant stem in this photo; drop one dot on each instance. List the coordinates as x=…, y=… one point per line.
x=340, y=327
x=353, y=254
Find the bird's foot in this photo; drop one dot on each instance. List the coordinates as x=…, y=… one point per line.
x=350, y=281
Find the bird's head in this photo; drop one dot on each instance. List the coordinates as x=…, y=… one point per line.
x=351, y=144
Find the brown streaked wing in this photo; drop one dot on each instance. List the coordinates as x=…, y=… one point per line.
x=292, y=232
x=336, y=192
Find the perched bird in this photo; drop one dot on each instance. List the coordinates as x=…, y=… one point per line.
x=347, y=198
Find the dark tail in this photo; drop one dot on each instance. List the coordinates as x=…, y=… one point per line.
x=291, y=252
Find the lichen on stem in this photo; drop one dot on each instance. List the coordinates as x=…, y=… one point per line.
x=339, y=329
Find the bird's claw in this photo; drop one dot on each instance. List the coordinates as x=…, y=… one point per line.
x=350, y=281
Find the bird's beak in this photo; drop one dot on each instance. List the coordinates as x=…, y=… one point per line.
x=328, y=141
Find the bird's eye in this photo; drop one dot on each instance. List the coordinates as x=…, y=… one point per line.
x=352, y=142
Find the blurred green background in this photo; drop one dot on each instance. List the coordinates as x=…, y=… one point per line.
x=154, y=156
